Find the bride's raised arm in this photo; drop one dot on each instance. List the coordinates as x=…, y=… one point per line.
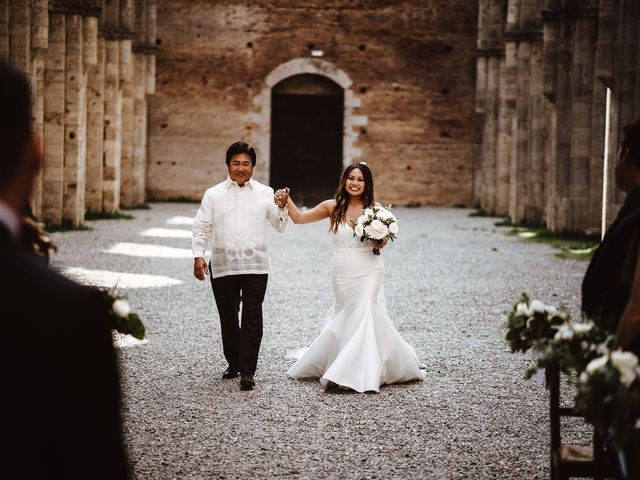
x=319, y=212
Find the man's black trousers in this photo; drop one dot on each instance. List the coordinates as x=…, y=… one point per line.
x=240, y=341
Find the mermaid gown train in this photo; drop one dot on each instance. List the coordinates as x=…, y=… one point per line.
x=359, y=347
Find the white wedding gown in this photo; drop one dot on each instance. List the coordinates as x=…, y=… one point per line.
x=359, y=347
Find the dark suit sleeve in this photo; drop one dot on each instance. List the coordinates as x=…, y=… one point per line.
x=92, y=382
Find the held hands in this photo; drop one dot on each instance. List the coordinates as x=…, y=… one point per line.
x=200, y=268
x=281, y=197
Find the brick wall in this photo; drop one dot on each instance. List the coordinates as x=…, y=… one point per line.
x=411, y=64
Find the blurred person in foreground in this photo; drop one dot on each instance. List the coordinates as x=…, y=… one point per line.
x=59, y=370
x=611, y=286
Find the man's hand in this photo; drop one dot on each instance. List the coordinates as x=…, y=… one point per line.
x=379, y=244
x=281, y=197
x=200, y=268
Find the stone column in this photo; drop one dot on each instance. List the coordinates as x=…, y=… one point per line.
x=140, y=105
x=54, y=104
x=506, y=114
x=139, y=157
x=490, y=58
x=39, y=45
x=95, y=125
x=4, y=29
x=112, y=109
x=74, y=123
x=127, y=60
x=20, y=34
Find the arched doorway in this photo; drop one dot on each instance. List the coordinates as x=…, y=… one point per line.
x=307, y=116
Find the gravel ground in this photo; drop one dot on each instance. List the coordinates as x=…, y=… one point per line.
x=449, y=281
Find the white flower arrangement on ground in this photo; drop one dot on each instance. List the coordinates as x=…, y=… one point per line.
x=608, y=382
x=123, y=319
x=375, y=224
x=609, y=396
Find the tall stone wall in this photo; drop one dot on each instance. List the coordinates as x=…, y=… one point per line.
x=543, y=72
x=407, y=69
x=67, y=48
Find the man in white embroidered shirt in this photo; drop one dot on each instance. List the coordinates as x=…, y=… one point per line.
x=235, y=214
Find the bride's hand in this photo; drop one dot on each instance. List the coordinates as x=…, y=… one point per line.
x=380, y=243
x=281, y=197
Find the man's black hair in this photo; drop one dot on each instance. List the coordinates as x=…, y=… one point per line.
x=240, y=148
x=631, y=141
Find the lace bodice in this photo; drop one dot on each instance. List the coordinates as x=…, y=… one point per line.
x=344, y=238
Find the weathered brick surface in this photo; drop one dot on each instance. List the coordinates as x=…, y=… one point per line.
x=411, y=64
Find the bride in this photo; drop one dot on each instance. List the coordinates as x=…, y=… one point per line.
x=359, y=348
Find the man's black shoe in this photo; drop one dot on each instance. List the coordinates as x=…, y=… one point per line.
x=247, y=382
x=230, y=373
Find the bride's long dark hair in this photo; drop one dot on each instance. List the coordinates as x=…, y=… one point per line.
x=342, y=196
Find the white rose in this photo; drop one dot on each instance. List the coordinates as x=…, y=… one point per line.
x=602, y=349
x=581, y=328
x=381, y=232
x=564, y=333
x=626, y=363
x=368, y=212
x=121, y=308
x=368, y=230
x=384, y=214
x=361, y=219
x=522, y=309
x=584, y=377
x=538, y=307
x=553, y=311
x=596, y=364
x=376, y=224
x=378, y=230
x=393, y=228
x=359, y=230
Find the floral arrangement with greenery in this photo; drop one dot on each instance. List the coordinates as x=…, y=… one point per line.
x=609, y=396
x=123, y=319
x=607, y=382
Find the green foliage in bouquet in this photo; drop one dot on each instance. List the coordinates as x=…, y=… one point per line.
x=609, y=397
x=122, y=318
x=532, y=324
x=574, y=345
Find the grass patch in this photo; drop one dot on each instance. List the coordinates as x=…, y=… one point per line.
x=505, y=222
x=67, y=227
x=479, y=212
x=117, y=215
x=570, y=245
x=140, y=206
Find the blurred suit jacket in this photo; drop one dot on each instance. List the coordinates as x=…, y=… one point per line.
x=59, y=375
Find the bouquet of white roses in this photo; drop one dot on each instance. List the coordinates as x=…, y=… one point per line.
x=376, y=223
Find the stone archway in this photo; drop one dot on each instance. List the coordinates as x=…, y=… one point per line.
x=306, y=137
x=261, y=118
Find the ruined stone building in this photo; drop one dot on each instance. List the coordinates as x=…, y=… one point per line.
x=544, y=67
x=92, y=66
x=496, y=103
